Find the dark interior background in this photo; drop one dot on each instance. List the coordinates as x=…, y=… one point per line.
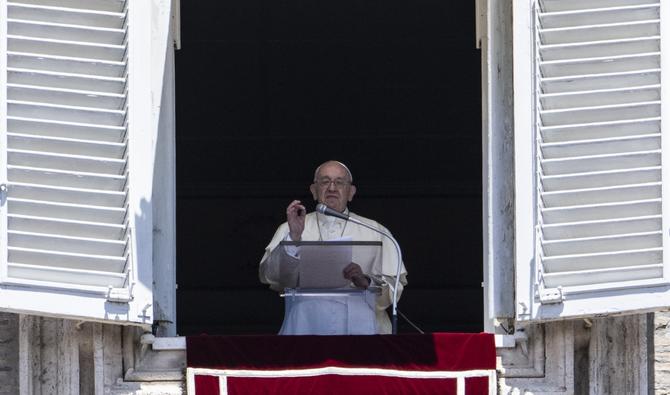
x=269, y=89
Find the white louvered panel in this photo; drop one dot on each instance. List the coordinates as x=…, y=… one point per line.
x=79, y=245
x=66, y=129
x=601, y=211
x=32, y=175
x=599, y=141
x=67, y=142
x=71, y=228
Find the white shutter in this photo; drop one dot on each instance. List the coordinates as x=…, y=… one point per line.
x=590, y=162
x=69, y=215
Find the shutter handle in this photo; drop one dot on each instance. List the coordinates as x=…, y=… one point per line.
x=3, y=193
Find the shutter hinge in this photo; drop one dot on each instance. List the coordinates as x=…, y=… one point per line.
x=551, y=295
x=119, y=295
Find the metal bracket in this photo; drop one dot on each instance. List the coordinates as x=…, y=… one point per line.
x=119, y=295
x=551, y=295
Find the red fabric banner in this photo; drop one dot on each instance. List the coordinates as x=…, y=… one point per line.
x=441, y=363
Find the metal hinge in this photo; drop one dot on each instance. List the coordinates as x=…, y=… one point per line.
x=551, y=295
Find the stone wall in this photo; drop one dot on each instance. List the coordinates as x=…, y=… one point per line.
x=9, y=354
x=662, y=352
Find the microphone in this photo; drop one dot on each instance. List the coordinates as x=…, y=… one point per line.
x=325, y=210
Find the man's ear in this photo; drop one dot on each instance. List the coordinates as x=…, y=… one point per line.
x=315, y=194
x=352, y=192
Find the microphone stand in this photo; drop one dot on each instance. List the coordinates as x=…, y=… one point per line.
x=394, y=315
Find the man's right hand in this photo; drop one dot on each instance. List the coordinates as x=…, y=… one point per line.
x=295, y=216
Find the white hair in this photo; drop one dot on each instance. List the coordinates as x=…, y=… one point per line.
x=351, y=177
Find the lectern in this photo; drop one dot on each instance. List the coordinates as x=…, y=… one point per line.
x=323, y=303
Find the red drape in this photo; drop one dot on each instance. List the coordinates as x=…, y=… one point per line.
x=382, y=364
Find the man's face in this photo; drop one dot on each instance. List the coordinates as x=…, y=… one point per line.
x=333, y=187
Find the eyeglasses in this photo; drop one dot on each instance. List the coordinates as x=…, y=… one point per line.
x=325, y=183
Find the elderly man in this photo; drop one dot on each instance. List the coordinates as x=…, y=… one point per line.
x=333, y=187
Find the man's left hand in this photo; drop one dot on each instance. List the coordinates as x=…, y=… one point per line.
x=354, y=273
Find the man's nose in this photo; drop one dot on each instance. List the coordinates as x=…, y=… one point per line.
x=331, y=186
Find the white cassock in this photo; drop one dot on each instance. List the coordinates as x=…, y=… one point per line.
x=279, y=269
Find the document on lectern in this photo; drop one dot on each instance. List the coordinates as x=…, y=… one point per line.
x=321, y=266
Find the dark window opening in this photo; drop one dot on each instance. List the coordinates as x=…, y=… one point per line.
x=267, y=90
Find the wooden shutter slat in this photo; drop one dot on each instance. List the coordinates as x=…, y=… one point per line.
x=87, y=197
x=93, y=5
x=73, y=16
x=98, y=70
x=616, y=275
x=62, y=227
x=602, y=113
x=572, y=5
x=64, y=32
x=595, y=228
x=602, y=195
x=601, y=211
x=58, y=80
x=70, y=97
x=31, y=256
x=581, y=83
x=59, y=145
x=62, y=275
x=603, y=244
x=73, y=130
x=68, y=179
x=600, y=32
x=66, y=113
x=601, y=179
x=77, y=212
x=612, y=145
x=629, y=160
x=600, y=65
x=599, y=16
x=591, y=98
x=67, y=244
x=598, y=130
x=66, y=162
x=609, y=48
x=65, y=48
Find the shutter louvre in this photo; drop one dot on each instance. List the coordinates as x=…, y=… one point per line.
x=598, y=100
x=67, y=144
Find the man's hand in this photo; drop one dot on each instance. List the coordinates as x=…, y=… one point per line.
x=295, y=216
x=354, y=273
